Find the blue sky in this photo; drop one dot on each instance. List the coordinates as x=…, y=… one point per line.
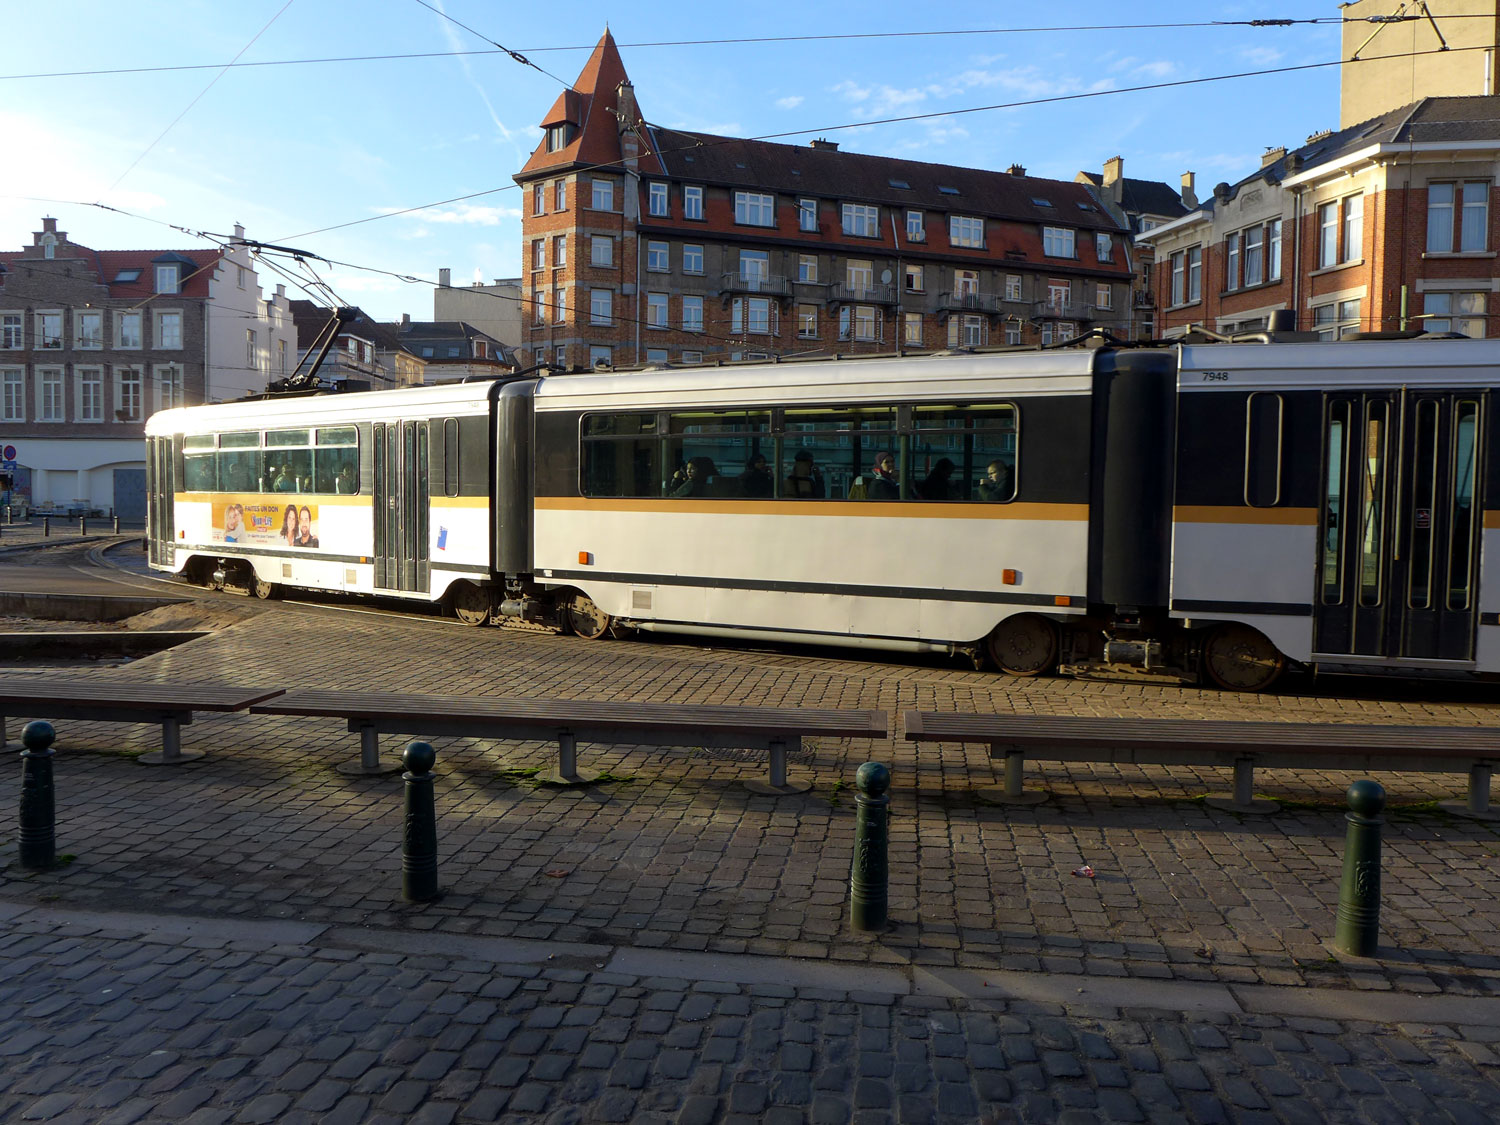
x=287, y=150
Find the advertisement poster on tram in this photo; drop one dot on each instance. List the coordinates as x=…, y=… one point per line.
x=256, y=521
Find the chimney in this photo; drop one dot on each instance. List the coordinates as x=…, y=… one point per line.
x=280, y=290
x=239, y=232
x=445, y=278
x=825, y=143
x=626, y=110
x=49, y=226
x=1272, y=155
x=1016, y=170
x=1114, y=179
x=406, y=320
x=1189, y=196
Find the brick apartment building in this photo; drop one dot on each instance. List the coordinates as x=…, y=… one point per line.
x=644, y=244
x=92, y=342
x=1389, y=224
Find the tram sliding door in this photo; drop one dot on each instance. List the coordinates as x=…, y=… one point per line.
x=401, y=556
x=160, y=488
x=1398, y=546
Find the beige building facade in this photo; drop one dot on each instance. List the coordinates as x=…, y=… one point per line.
x=1438, y=48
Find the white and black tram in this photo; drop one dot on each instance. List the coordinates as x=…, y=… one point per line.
x=1211, y=510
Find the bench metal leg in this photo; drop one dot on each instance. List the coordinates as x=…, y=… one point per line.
x=567, y=772
x=1242, y=800
x=1477, y=807
x=172, y=753
x=1014, y=792
x=370, y=763
x=778, y=784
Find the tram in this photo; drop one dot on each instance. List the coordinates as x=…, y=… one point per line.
x=1207, y=511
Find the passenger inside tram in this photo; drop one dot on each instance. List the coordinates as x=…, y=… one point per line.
x=806, y=480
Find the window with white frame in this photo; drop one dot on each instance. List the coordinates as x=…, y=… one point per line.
x=240, y=276
x=656, y=199
x=252, y=350
x=604, y=195
x=692, y=314
x=846, y=318
x=968, y=331
x=538, y=199
x=538, y=253
x=1353, y=248
x=1255, y=256
x=168, y=278
x=657, y=260
x=1013, y=332
x=560, y=195
x=558, y=136
x=1232, y=260
x=807, y=322
x=50, y=395
x=861, y=220
x=966, y=230
x=1013, y=287
x=692, y=357
x=561, y=358
x=281, y=356
x=1104, y=247
x=754, y=209
x=1179, y=277
x=692, y=201
x=912, y=329
x=601, y=250
x=1336, y=319
x=692, y=258
x=1458, y=216
x=751, y=315
x=1455, y=311
x=49, y=330
x=12, y=394
x=1058, y=242
x=169, y=385
x=168, y=329
x=1104, y=296
x=601, y=355
x=807, y=214
x=866, y=320
x=559, y=306
x=859, y=276
x=1273, y=250
x=916, y=226
x=1195, y=273
x=88, y=325
x=755, y=268
x=915, y=279
x=966, y=285
x=128, y=399
x=656, y=355
x=601, y=306
x=538, y=304
x=11, y=331
x=807, y=267
x=1328, y=234
x=1059, y=295
x=560, y=251
x=656, y=310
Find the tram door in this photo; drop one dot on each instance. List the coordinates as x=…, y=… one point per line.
x=1398, y=546
x=401, y=558
x=160, y=520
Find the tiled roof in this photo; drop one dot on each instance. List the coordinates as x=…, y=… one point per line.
x=1144, y=197
x=107, y=265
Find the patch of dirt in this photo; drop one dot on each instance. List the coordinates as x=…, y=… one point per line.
x=198, y=614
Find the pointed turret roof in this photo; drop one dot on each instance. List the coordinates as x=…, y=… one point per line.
x=589, y=108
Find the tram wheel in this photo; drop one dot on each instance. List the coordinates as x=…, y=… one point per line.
x=471, y=603
x=1024, y=645
x=262, y=589
x=1239, y=658
x=585, y=618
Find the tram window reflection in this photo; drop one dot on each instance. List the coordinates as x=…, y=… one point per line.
x=842, y=444
x=198, y=472
x=336, y=460
x=720, y=447
x=964, y=452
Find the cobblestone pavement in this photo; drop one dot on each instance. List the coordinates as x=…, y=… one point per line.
x=673, y=858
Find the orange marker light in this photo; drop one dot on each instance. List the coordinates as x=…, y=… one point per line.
x=585, y=558
x=1062, y=599
x=1008, y=577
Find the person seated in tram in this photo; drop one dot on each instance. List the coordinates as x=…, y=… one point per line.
x=756, y=481
x=996, y=482
x=344, y=484
x=936, y=486
x=283, y=481
x=883, y=483
x=695, y=479
x=806, y=481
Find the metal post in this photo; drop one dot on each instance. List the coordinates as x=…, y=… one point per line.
x=38, y=809
x=1479, y=788
x=1244, y=781
x=419, y=878
x=870, y=877
x=567, y=756
x=1357, y=922
x=117, y=525
x=171, y=741
x=1015, y=771
x=10, y=516
x=369, y=748
x=46, y=526
x=778, y=765
x=83, y=526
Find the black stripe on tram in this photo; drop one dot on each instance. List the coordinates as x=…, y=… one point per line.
x=218, y=552
x=1268, y=609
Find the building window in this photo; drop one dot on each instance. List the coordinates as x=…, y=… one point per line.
x=1255, y=258
x=281, y=356
x=128, y=396
x=656, y=257
x=1057, y=242
x=1461, y=312
x=916, y=227
x=1465, y=203
x=601, y=355
x=1059, y=296
x=656, y=355
x=559, y=306
x=865, y=320
x=1179, y=278
x=601, y=306
x=755, y=268
x=10, y=331
x=1273, y=250
x=538, y=302
x=560, y=195
x=252, y=359
x=1195, y=274
x=167, y=278
x=1232, y=261
x=240, y=275
x=966, y=284
x=914, y=279
x=562, y=356
x=966, y=230
x=1340, y=231
x=1104, y=247
x=692, y=259
x=859, y=276
x=13, y=394
x=49, y=394
x=169, y=330
x=128, y=330
x=861, y=220
x=557, y=137
x=754, y=209
x=1354, y=229
x=1104, y=297
x=1013, y=333
x=968, y=331
x=657, y=199
x=656, y=310
x=692, y=202
x=49, y=330
x=912, y=332
x=538, y=199
x=169, y=384
x=692, y=357
x=89, y=324
x=807, y=322
x=751, y=315
x=538, y=253
x=1013, y=287
x=604, y=195
x=807, y=267
x=601, y=250
x=560, y=250
x=692, y=314
x=807, y=214
x=1336, y=320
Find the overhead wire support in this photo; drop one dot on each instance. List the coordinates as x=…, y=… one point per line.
x=516, y=55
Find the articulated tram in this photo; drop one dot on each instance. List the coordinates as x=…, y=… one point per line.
x=1197, y=511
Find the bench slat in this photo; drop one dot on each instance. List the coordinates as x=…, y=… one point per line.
x=37, y=696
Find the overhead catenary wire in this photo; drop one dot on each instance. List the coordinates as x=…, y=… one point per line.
x=516, y=55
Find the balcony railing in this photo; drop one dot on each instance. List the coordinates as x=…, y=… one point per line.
x=1062, y=310
x=771, y=285
x=967, y=300
x=874, y=293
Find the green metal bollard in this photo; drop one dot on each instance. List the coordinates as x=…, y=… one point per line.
x=46, y=526
x=38, y=809
x=419, y=878
x=870, y=877
x=1357, y=922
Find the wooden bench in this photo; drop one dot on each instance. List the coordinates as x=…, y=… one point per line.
x=569, y=722
x=125, y=701
x=1206, y=742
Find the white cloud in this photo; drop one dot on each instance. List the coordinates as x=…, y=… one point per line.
x=1162, y=68
x=1262, y=56
x=791, y=102
x=469, y=213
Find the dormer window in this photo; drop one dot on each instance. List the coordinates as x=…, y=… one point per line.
x=49, y=245
x=168, y=278
x=559, y=136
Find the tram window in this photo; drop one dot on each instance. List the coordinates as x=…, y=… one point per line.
x=971, y=438
x=239, y=461
x=621, y=456
x=1333, y=516
x=1372, y=508
x=450, y=456
x=1461, y=527
x=198, y=473
x=843, y=445
x=724, y=447
x=1423, y=495
x=1263, y=421
x=336, y=460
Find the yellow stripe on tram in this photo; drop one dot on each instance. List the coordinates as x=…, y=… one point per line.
x=908, y=509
